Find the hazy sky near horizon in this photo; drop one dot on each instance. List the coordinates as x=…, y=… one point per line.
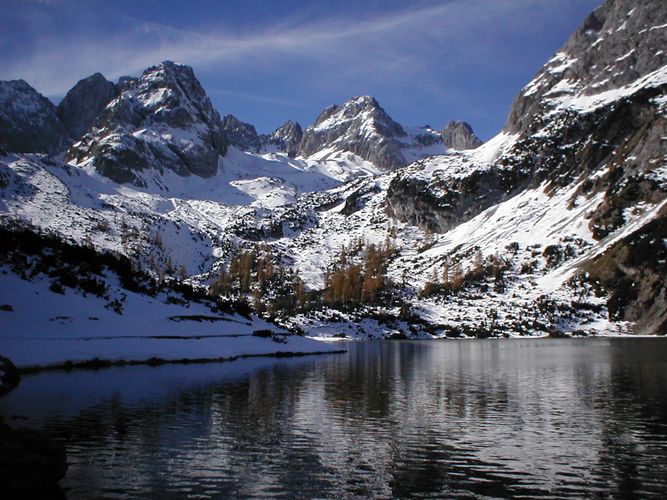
x=426, y=62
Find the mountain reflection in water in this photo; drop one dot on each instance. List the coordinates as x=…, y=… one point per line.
x=557, y=418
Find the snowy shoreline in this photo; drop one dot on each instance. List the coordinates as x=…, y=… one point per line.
x=97, y=363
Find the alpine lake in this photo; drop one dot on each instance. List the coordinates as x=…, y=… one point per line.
x=557, y=418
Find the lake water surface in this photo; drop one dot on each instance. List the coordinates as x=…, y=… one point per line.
x=534, y=417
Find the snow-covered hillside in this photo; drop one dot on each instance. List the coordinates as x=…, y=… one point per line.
x=557, y=225
x=362, y=127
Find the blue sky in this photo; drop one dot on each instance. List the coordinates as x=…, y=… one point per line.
x=427, y=62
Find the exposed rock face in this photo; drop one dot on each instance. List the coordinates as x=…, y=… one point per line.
x=287, y=138
x=617, y=44
x=9, y=375
x=84, y=102
x=360, y=126
x=634, y=271
x=241, y=135
x=161, y=120
x=594, y=118
x=28, y=121
x=459, y=135
x=441, y=201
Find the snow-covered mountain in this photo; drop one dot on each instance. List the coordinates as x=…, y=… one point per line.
x=28, y=120
x=362, y=127
x=460, y=136
x=161, y=121
x=589, y=131
x=286, y=138
x=558, y=224
x=241, y=135
x=84, y=103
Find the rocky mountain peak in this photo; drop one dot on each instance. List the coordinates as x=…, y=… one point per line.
x=28, y=121
x=241, y=135
x=459, y=135
x=287, y=137
x=618, y=43
x=84, y=102
x=360, y=126
x=161, y=120
x=361, y=111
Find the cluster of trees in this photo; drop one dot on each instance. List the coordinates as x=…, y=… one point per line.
x=257, y=273
x=360, y=280
x=454, y=277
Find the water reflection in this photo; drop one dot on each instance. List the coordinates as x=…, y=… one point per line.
x=557, y=418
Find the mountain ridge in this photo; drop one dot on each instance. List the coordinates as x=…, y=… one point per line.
x=555, y=226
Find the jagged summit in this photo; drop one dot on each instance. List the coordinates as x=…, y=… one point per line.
x=84, y=102
x=359, y=126
x=241, y=135
x=556, y=225
x=28, y=121
x=161, y=120
x=617, y=44
x=358, y=111
x=459, y=135
x=287, y=137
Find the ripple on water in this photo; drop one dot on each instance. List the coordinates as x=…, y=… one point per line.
x=562, y=419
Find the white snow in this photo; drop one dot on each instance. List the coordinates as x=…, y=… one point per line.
x=568, y=96
x=46, y=328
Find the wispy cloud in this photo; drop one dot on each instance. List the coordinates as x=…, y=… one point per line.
x=397, y=45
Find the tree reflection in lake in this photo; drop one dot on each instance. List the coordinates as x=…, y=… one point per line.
x=453, y=418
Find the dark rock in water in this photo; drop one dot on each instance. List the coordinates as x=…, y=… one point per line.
x=241, y=135
x=84, y=102
x=28, y=121
x=162, y=120
x=287, y=138
x=459, y=135
x=30, y=463
x=9, y=375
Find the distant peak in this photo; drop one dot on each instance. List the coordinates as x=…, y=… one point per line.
x=458, y=124
x=288, y=125
x=96, y=76
x=230, y=119
x=172, y=69
x=364, y=100
x=17, y=84
x=460, y=135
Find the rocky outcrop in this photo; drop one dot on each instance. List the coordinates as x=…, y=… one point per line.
x=84, y=102
x=162, y=120
x=287, y=138
x=28, y=121
x=617, y=44
x=9, y=375
x=460, y=136
x=360, y=126
x=633, y=273
x=593, y=121
x=439, y=193
x=241, y=135
x=570, y=133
